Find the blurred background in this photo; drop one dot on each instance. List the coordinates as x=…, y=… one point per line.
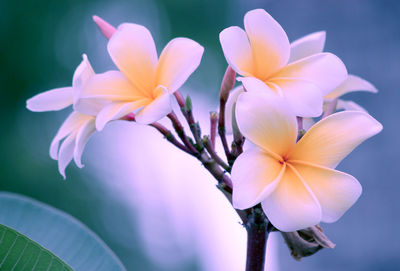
x=156, y=208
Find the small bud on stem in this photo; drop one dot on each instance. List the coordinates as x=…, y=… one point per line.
x=179, y=99
x=213, y=128
x=228, y=82
x=238, y=138
x=106, y=29
x=181, y=132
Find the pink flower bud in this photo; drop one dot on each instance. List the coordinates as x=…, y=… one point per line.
x=228, y=82
x=106, y=29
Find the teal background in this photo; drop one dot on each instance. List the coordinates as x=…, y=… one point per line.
x=41, y=43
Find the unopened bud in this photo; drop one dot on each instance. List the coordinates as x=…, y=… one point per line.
x=213, y=127
x=106, y=29
x=188, y=104
x=213, y=116
x=228, y=82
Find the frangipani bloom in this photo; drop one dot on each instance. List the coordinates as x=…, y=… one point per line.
x=313, y=44
x=306, y=46
x=262, y=52
x=77, y=128
x=296, y=183
x=145, y=82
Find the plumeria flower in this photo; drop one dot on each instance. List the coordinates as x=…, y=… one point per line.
x=351, y=84
x=295, y=182
x=306, y=46
x=77, y=128
x=262, y=52
x=145, y=83
x=313, y=44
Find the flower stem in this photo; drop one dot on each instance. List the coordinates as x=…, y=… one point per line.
x=169, y=136
x=227, y=85
x=208, y=145
x=213, y=128
x=257, y=235
x=331, y=108
x=181, y=132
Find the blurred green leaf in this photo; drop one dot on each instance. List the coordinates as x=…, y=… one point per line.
x=58, y=232
x=18, y=252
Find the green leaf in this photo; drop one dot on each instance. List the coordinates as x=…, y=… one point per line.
x=18, y=252
x=58, y=232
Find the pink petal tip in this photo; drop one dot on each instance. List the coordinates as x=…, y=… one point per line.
x=106, y=29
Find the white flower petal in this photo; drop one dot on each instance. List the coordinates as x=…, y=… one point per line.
x=333, y=138
x=70, y=125
x=157, y=109
x=292, y=206
x=237, y=50
x=81, y=76
x=82, y=137
x=304, y=97
x=308, y=123
x=51, y=100
x=351, y=84
x=308, y=45
x=336, y=191
x=117, y=110
x=104, y=88
x=349, y=105
x=267, y=121
x=179, y=59
x=252, y=84
x=269, y=43
x=325, y=70
x=234, y=94
x=133, y=50
x=255, y=175
x=66, y=153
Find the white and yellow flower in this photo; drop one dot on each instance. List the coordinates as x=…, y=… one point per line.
x=77, y=128
x=144, y=83
x=306, y=46
x=296, y=183
x=313, y=44
x=262, y=53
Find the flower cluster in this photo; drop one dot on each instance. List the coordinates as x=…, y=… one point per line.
x=290, y=166
x=144, y=85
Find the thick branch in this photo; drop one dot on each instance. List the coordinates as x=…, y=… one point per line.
x=257, y=235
